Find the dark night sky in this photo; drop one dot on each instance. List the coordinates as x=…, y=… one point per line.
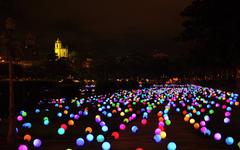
x=151, y=24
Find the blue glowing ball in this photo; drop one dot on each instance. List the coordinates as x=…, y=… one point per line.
x=134, y=129
x=89, y=137
x=106, y=146
x=71, y=115
x=59, y=114
x=61, y=131
x=104, y=128
x=46, y=122
x=229, y=141
x=85, y=113
x=109, y=115
x=37, y=111
x=37, y=143
x=177, y=109
x=80, y=142
x=27, y=125
x=171, y=146
x=157, y=138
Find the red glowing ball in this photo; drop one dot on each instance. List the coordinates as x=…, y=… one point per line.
x=115, y=135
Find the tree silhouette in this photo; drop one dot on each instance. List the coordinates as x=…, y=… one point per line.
x=212, y=28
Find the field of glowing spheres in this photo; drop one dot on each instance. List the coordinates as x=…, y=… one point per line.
x=162, y=117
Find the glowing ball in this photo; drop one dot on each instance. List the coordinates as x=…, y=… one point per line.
x=217, y=136
x=104, y=128
x=171, y=146
x=227, y=114
x=102, y=123
x=168, y=122
x=37, y=111
x=19, y=118
x=89, y=137
x=134, y=129
x=24, y=114
x=122, y=114
x=144, y=121
x=76, y=117
x=192, y=121
x=157, y=138
x=27, y=137
x=79, y=141
x=115, y=135
x=229, y=141
x=71, y=115
x=196, y=126
x=59, y=114
x=46, y=122
x=64, y=126
x=139, y=148
x=238, y=144
x=27, y=125
x=22, y=147
x=186, y=119
x=163, y=134
x=97, y=120
x=202, y=123
x=106, y=146
x=157, y=131
x=226, y=120
x=122, y=126
x=61, y=131
x=203, y=129
x=100, y=138
x=206, y=118
x=37, y=143
x=70, y=122
x=88, y=129
x=65, y=112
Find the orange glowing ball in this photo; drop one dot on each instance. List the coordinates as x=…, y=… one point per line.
x=65, y=112
x=186, y=119
x=88, y=129
x=60, y=106
x=196, y=126
x=160, y=119
x=139, y=148
x=114, y=111
x=27, y=137
x=115, y=135
x=194, y=111
x=236, y=103
x=70, y=122
x=159, y=114
x=130, y=109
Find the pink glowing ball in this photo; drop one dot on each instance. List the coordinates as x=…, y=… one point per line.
x=217, y=136
x=157, y=131
x=122, y=126
x=19, y=118
x=22, y=147
x=202, y=123
x=144, y=121
x=227, y=114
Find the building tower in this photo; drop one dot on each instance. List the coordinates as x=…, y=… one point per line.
x=60, y=50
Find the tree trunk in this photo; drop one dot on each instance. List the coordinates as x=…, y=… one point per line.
x=11, y=118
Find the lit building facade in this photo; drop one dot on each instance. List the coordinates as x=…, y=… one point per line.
x=60, y=50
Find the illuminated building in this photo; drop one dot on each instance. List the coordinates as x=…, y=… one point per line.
x=60, y=50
